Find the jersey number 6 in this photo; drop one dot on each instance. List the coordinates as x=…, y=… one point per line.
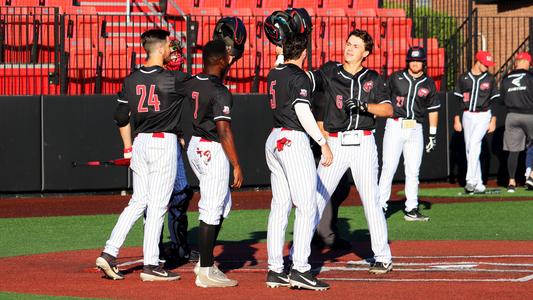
x=153, y=99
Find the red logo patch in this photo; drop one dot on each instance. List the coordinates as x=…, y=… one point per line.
x=338, y=101
x=423, y=92
x=367, y=87
x=484, y=86
x=466, y=96
x=399, y=101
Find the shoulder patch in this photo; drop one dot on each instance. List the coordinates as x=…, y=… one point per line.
x=367, y=86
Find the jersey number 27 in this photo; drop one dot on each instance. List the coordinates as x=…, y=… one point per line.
x=153, y=99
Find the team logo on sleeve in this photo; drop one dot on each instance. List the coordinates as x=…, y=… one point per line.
x=399, y=101
x=367, y=87
x=466, y=96
x=484, y=86
x=423, y=92
x=338, y=101
x=303, y=93
x=226, y=110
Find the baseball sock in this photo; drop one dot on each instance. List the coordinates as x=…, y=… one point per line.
x=206, y=243
x=512, y=163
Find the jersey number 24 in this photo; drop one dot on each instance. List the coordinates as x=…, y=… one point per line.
x=153, y=99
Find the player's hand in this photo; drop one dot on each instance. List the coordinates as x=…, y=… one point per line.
x=457, y=126
x=279, y=50
x=327, y=155
x=128, y=152
x=350, y=105
x=432, y=143
x=237, y=177
x=182, y=143
x=492, y=126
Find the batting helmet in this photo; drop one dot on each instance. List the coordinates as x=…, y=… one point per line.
x=300, y=20
x=277, y=27
x=232, y=31
x=176, y=59
x=416, y=53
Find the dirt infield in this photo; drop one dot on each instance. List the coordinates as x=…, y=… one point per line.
x=436, y=269
x=114, y=204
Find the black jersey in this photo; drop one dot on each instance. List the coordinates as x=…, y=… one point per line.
x=288, y=85
x=477, y=92
x=150, y=93
x=412, y=97
x=517, y=91
x=338, y=86
x=210, y=101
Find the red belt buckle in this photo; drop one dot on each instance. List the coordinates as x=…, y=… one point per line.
x=367, y=132
x=396, y=119
x=160, y=135
x=285, y=129
x=333, y=134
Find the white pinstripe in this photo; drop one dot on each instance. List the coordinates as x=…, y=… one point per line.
x=410, y=142
x=363, y=163
x=475, y=127
x=293, y=178
x=211, y=167
x=153, y=164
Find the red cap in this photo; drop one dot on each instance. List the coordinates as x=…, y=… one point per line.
x=485, y=58
x=523, y=55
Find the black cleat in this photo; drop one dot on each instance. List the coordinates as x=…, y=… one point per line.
x=275, y=280
x=157, y=273
x=529, y=183
x=380, y=268
x=106, y=263
x=307, y=281
x=415, y=215
x=511, y=188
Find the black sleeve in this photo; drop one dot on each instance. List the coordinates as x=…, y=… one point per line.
x=379, y=93
x=317, y=80
x=222, y=104
x=122, y=112
x=494, y=93
x=300, y=89
x=319, y=105
x=459, y=95
x=503, y=89
x=433, y=98
x=181, y=83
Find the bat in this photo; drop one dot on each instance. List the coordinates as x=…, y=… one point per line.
x=121, y=162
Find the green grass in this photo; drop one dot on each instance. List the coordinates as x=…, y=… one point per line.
x=459, y=221
x=17, y=296
x=460, y=193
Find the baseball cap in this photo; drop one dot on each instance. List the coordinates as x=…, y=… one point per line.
x=523, y=55
x=486, y=58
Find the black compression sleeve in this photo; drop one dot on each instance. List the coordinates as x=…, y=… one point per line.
x=512, y=163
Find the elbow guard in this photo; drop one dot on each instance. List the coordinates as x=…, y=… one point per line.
x=122, y=115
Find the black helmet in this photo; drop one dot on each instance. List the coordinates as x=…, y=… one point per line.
x=232, y=31
x=416, y=53
x=277, y=27
x=300, y=21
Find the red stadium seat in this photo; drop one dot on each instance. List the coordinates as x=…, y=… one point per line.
x=397, y=28
x=391, y=12
x=265, y=11
x=331, y=12
x=240, y=3
x=312, y=4
x=337, y=4
x=239, y=12
x=435, y=63
x=23, y=2
x=396, y=62
x=364, y=4
x=397, y=46
x=59, y=3
x=355, y=12
x=24, y=80
x=375, y=62
x=432, y=44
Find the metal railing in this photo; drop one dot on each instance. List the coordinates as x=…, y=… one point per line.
x=51, y=53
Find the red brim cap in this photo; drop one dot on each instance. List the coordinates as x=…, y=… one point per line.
x=524, y=56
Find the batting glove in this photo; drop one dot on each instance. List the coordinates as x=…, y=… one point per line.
x=128, y=152
x=363, y=106
x=432, y=143
x=353, y=104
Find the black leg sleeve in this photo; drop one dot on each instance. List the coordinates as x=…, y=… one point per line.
x=512, y=163
x=206, y=243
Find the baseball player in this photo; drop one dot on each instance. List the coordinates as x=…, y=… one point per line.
x=149, y=97
x=517, y=94
x=355, y=96
x=210, y=152
x=529, y=166
x=414, y=95
x=477, y=92
x=293, y=172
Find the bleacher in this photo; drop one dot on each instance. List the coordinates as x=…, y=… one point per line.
x=53, y=46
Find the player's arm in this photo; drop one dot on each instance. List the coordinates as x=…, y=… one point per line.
x=433, y=116
x=457, y=126
x=300, y=92
x=228, y=144
x=222, y=111
x=380, y=103
x=122, y=119
x=279, y=56
x=494, y=96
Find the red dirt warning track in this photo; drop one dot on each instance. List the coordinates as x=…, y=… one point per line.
x=425, y=269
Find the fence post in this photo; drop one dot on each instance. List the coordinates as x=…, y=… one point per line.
x=468, y=39
x=530, y=35
x=475, y=32
x=2, y=39
x=425, y=30
x=188, y=23
x=63, y=64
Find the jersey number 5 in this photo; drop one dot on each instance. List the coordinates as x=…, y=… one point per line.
x=272, y=95
x=153, y=99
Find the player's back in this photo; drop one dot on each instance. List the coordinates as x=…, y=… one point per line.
x=287, y=85
x=154, y=103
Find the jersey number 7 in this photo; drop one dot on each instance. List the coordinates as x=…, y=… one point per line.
x=153, y=99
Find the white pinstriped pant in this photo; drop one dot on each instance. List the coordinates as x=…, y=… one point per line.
x=475, y=126
x=211, y=166
x=396, y=140
x=363, y=163
x=293, y=178
x=153, y=164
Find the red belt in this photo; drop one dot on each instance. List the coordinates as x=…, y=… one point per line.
x=205, y=140
x=479, y=111
x=336, y=134
x=160, y=135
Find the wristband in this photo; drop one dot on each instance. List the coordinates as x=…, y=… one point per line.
x=128, y=150
x=433, y=130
